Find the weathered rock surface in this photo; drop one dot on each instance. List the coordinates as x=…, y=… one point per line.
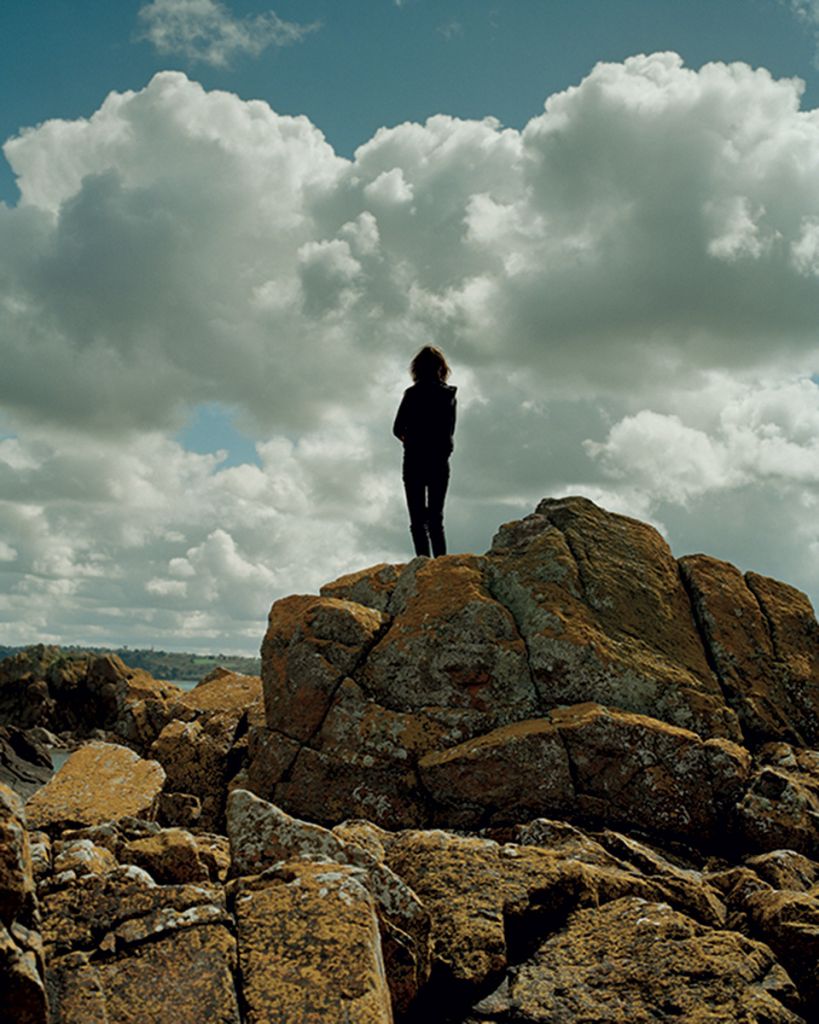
x=764, y=642
x=309, y=946
x=593, y=762
x=99, y=782
x=121, y=948
x=195, y=757
x=638, y=962
x=262, y=836
x=311, y=644
x=599, y=601
x=780, y=807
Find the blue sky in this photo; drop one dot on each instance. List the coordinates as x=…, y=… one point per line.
x=374, y=62
x=207, y=304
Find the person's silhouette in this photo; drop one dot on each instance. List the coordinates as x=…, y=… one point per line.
x=425, y=424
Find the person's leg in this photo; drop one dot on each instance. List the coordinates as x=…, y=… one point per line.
x=437, y=479
x=415, y=488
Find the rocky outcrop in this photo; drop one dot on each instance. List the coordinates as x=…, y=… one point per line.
x=572, y=779
x=83, y=694
x=576, y=669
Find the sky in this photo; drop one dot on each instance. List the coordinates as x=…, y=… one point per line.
x=226, y=228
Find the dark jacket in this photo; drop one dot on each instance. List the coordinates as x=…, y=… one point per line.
x=425, y=420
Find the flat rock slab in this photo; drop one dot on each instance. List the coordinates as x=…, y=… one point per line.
x=99, y=782
x=223, y=691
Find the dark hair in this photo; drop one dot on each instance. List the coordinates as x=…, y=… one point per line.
x=429, y=364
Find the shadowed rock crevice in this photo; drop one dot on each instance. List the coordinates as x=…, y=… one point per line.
x=752, y=582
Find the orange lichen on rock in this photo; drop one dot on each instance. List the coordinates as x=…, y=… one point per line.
x=99, y=782
x=310, y=947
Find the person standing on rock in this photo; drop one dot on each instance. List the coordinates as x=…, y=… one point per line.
x=425, y=425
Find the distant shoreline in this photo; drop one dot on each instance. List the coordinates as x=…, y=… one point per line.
x=171, y=666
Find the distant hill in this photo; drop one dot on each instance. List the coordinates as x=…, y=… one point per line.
x=170, y=665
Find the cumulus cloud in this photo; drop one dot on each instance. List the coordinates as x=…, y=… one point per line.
x=183, y=547
x=627, y=288
x=763, y=433
x=205, y=31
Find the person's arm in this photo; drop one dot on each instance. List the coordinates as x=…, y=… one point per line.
x=399, y=427
x=452, y=415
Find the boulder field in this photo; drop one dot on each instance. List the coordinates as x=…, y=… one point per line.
x=571, y=780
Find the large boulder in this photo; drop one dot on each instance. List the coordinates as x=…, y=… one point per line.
x=634, y=960
x=599, y=601
x=99, y=782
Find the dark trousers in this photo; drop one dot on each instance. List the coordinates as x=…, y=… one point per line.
x=425, y=484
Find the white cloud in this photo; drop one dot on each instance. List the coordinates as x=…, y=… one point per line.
x=206, y=31
x=638, y=267
x=766, y=433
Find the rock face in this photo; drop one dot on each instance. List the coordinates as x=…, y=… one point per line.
x=764, y=643
x=594, y=762
x=571, y=780
x=599, y=601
